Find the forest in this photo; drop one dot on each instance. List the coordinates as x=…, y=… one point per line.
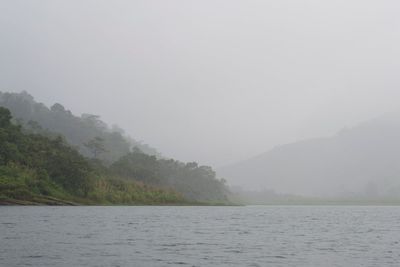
x=50, y=156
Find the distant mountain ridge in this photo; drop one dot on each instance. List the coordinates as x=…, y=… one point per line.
x=363, y=160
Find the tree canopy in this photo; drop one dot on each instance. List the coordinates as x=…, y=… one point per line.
x=78, y=131
x=36, y=163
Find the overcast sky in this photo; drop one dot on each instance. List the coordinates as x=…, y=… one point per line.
x=211, y=81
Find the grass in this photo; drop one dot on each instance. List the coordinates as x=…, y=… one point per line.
x=23, y=186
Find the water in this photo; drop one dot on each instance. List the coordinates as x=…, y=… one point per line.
x=200, y=236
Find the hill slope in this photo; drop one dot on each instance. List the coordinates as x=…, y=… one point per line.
x=37, y=169
x=78, y=131
x=364, y=160
x=123, y=169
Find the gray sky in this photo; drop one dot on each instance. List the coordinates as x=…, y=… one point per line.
x=212, y=81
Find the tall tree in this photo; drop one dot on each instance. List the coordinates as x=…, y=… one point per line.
x=96, y=146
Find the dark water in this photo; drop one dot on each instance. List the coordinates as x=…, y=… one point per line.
x=200, y=236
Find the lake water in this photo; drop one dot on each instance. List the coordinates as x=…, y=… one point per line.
x=200, y=236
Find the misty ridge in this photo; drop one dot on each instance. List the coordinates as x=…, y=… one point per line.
x=78, y=130
x=360, y=161
x=50, y=156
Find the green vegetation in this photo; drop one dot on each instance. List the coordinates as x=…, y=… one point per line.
x=81, y=132
x=40, y=167
x=195, y=183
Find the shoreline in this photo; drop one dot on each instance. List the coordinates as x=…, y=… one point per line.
x=51, y=201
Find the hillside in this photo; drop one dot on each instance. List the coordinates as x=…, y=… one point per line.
x=35, y=169
x=78, y=130
x=82, y=159
x=360, y=161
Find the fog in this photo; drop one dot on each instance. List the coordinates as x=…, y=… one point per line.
x=208, y=81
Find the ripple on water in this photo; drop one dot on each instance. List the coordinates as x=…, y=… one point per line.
x=200, y=236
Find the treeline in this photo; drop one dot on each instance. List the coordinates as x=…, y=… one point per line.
x=37, y=162
x=78, y=131
x=194, y=182
x=38, y=169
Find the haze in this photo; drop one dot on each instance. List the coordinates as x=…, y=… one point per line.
x=208, y=81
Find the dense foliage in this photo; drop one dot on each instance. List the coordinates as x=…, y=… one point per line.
x=194, y=182
x=38, y=164
x=36, y=168
x=78, y=131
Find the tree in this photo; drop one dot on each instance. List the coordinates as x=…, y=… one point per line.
x=96, y=146
x=57, y=108
x=5, y=117
x=34, y=126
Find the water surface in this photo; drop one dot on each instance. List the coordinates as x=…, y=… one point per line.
x=200, y=236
